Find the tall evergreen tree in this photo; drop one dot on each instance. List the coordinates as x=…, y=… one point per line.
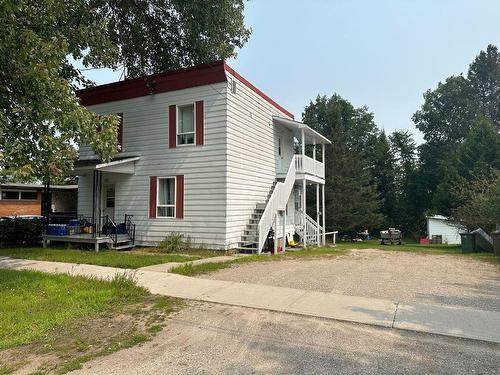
x=384, y=173
x=478, y=157
x=352, y=200
x=407, y=185
x=446, y=118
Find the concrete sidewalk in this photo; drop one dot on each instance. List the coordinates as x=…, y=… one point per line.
x=437, y=319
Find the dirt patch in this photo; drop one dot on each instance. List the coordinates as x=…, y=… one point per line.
x=399, y=276
x=66, y=348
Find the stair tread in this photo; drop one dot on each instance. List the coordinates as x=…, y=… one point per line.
x=123, y=247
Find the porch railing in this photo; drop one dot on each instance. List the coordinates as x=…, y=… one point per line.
x=130, y=227
x=313, y=229
x=109, y=228
x=305, y=164
x=277, y=202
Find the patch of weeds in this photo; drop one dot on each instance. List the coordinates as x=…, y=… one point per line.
x=155, y=328
x=175, y=242
x=9, y=369
x=199, y=269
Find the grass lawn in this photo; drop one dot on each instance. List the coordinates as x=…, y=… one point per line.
x=119, y=259
x=339, y=249
x=68, y=320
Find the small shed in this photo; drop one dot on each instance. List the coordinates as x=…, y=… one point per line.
x=438, y=225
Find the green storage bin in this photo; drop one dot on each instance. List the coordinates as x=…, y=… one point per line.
x=468, y=242
x=496, y=242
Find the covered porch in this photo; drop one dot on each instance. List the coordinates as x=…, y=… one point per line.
x=98, y=223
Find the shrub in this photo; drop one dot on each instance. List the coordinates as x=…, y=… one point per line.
x=175, y=242
x=20, y=231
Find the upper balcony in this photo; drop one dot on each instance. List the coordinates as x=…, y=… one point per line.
x=306, y=167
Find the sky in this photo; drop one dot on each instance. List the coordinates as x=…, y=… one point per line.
x=380, y=53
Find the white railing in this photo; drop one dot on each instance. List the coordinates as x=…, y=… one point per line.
x=313, y=229
x=277, y=202
x=305, y=164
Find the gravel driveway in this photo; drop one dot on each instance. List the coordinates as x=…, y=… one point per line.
x=399, y=276
x=217, y=339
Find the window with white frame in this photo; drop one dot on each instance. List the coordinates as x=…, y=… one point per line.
x=185, y=124
x=165, y=203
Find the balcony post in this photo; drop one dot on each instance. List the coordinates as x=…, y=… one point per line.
x=304, y=226
x=323, y=212
x=284, y=230
x=323, y=153
x=303, y=142
x=317, y=214
x=314, y=149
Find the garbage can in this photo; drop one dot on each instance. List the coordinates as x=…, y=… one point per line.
x=496, y=242
x=468, y=242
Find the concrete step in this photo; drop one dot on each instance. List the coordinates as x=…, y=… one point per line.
x=123, y=239
x=260, y=206
x=127, y=246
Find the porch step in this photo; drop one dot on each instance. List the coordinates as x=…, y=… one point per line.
x=121, y=238
x=250, y=237
x=124, y=247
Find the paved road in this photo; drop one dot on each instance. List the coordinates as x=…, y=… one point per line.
x=217, y=339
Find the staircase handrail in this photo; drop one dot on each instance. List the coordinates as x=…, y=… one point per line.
x=311, y=226
x=130, y=227
x=277, y=201
x=114, y=233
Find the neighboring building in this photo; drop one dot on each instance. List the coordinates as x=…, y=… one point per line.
x=438, y=225
x=26, y=199
x=204, y=153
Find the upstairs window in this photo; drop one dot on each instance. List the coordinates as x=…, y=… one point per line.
x=185, y=125
x=165, y=206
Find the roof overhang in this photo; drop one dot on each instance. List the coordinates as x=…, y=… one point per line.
x=122, y=165
x=20, y=186
x=194, y=76
x=311, y=135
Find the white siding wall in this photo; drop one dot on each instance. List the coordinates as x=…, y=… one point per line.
x=145, y=133
x=251, y=156
x=450, y=232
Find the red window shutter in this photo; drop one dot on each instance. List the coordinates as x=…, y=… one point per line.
x=199, y=123
x=152, y=197
x=172, y=126
x=179, y=197
x=119, y=134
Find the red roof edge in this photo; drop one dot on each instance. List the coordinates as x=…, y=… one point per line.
x=256, y=90
x=198, y=75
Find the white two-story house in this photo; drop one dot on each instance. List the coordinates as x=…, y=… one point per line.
x=206, y=154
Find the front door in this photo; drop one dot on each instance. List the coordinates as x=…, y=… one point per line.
x=109, y=201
